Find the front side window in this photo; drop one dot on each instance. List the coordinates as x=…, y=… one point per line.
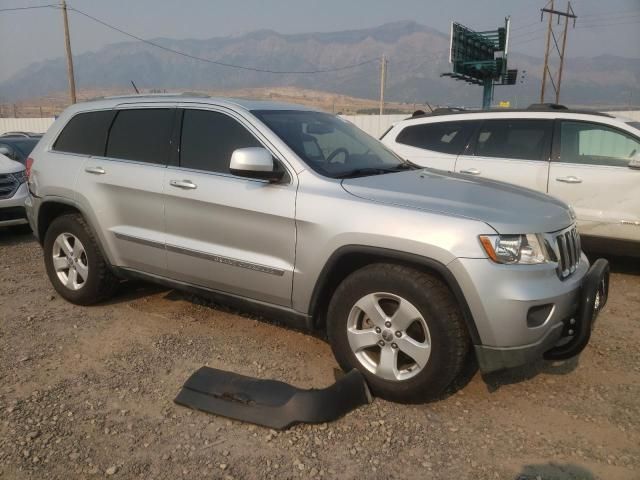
x=329, y=145
x=594, y=144
x=86, y=133
x=517, y=139
x=209, y=138
x=143, y=135
x=444, y=137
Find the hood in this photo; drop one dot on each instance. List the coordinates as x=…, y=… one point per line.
x=9, y=166
x=507, y=208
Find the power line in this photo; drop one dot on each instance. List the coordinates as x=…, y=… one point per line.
x=612, y=14
x=215, y=62
x=14, y=9
x=598, y=25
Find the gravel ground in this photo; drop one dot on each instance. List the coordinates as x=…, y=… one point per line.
x=87, y=393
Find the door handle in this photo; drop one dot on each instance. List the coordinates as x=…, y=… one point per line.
x=569, y=179
x=471, y=171
x=184, y=184
x=95, y=170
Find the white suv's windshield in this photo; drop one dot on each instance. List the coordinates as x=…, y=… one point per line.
x=331, y=146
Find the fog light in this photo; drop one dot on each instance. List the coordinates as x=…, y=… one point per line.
x=538, y=315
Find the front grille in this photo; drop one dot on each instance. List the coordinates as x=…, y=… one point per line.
x=8, y=186
x=567, y=250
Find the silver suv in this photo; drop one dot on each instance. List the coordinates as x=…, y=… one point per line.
x=299, y=215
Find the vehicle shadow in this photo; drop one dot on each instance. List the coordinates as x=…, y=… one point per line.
x=10, y=236
x=133, y=290
x=619, y=264
x=495, y=380
x=555, y=471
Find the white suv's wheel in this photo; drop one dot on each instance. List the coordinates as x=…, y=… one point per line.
x=402, y=328
x=74, y=263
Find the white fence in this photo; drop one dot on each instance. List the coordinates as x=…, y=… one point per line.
x=374, y=125
x=37, y=125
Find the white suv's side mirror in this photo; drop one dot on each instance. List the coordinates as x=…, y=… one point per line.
x=254, y=162
x=635, y=162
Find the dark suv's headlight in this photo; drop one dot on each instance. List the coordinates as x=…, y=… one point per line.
x=21, y=177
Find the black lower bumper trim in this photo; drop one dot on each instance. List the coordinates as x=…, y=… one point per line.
x=594, y=295
x=271, y=403
x=12, y=213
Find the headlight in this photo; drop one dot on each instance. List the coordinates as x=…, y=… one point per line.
x=528, y=249
x=21, y=177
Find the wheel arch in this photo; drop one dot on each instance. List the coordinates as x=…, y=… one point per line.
x=350, y=258
x=50, y=209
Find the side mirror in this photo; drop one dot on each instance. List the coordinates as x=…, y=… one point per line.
x=634, y=163
x=254, y=162
x=5, y=151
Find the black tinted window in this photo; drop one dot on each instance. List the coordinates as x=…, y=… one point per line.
x=209, y=139
x=142, y=135
x=445, y=137
x=86, y=133
x=520, y=139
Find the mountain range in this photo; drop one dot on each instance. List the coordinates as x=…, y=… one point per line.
x=417, y=56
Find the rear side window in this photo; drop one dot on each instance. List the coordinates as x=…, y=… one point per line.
x=209, y=139
x=445, y=137
x=86, y=133
x=142, y=135
x=518, y=139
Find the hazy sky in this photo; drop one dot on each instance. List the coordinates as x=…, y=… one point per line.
x=604, y=26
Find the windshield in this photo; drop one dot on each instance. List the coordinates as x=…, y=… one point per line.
x=330, y=145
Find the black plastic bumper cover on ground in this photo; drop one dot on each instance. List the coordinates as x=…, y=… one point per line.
x=271, y=403
x=594, y=294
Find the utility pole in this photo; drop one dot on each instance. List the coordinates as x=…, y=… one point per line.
x=546, y=57
x=549, y=8
x=67, y=46
x=383, y=81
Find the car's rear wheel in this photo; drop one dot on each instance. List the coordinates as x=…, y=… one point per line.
x=402, y=328
x=74, y=263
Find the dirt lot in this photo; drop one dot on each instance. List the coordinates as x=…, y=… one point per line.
x=87, y=392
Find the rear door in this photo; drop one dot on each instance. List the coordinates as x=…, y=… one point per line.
x=590, y=171
x=122, y=187
x=435, y=144
x=227, y=233
x=511, y=150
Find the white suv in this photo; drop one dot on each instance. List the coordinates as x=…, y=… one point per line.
x=588, y=159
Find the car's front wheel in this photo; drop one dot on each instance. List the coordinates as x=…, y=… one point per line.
x=402, y=328
x=74, y=263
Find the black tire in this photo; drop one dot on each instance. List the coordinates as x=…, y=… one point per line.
x=101, y=283
x=437, y=305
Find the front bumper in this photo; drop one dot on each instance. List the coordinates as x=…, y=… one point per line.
x=501, y=299
x=12, y=210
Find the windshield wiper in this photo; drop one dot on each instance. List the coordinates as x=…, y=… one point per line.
x=363, y=172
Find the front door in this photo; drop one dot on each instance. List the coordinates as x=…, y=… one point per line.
x=590, y=171
x=513, y=151
x=227, y=233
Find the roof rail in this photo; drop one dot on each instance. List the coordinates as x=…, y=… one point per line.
x=547, y=106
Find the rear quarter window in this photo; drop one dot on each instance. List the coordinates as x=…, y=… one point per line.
x=86, y=133
x=443, y=137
